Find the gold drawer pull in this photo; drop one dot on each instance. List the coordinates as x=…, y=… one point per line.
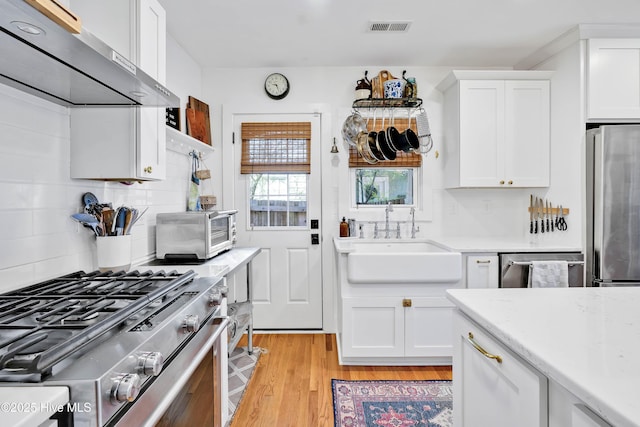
x=148, y=169
x=480, y=261
x=406, y=302
x=510, y=182
x=502, y=182
x=483, y=351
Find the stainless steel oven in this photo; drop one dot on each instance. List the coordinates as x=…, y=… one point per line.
x=195, y=235
x=516, y=267
x=128, y=345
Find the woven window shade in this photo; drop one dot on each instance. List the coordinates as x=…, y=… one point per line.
x=411, y=160
x=276, y=147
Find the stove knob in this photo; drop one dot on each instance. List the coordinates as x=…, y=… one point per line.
x=191, y=323
x=125, y=388
x=150, y=363
x=215, y=298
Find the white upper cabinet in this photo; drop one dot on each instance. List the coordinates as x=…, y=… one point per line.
x=496, y=128
x=123, y=144
x=613, y=79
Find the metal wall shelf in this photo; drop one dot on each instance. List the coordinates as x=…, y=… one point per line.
x=387, y=103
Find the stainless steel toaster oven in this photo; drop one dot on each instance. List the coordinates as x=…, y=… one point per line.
x=195, y=235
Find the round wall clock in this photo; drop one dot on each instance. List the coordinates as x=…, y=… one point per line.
x=276, y=85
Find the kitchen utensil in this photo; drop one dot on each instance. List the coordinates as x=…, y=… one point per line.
x=530, y=213
x=551, y=216
x=373, y=145
x=562, y=223
x=535, y=228
x=393, y=136
x=137, y=215
x=89, y=199
x=89, y=221
x=547, y=213
x=353, y=125
x=388, y=152
x=120, y=219
x=377, y=83
x=542, y=215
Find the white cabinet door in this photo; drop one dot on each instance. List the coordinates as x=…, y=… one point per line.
x=497, y=133
x=481, y=133
x=123, y=143
x=482, y=271
x=372, y=327
x=613, y=79
x=488, y=392
x=527, y=133
x=428, y=325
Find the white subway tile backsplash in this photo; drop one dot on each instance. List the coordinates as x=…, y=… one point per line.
x=39, y=197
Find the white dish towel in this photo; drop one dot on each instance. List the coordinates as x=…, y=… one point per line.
x=549, y=274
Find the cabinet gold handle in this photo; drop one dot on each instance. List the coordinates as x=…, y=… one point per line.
x=148, y=169
x=483, y=261
x=482, y=350
x=406, y=302
x=502, y=182
x=510, y=182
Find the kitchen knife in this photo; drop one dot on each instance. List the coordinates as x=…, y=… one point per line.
x=530, y=213
x=546, y=214
x=541, y=216
x=551, y=215
x=535, y=228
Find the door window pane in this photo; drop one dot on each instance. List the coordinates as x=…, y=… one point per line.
x=278, y=200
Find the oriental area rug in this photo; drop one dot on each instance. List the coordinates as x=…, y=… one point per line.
x=392, y=403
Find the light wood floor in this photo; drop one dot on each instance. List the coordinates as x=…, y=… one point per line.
x=291, y=385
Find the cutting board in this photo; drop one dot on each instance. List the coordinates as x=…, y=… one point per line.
x=198, y=121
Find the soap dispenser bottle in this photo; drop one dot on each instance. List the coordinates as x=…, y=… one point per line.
x=344, y=227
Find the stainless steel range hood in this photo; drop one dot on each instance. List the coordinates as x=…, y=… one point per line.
x=75, y=70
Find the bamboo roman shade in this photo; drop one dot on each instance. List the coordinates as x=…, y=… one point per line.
x=283, y=147
x=410, y=160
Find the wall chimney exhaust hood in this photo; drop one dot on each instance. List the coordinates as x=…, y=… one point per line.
x=74, y=70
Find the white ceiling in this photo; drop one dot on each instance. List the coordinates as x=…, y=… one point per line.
x=300, y=33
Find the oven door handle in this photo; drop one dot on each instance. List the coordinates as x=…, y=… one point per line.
x=151, y=404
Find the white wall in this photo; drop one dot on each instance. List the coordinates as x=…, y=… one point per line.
x=476, y=213
x=38, y=238
x=457, y=212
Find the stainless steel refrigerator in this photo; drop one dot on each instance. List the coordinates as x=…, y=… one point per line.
x=613, y=205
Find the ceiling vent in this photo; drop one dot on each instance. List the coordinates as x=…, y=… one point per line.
x=389, y=26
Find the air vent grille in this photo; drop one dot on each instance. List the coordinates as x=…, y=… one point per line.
x=389, y=26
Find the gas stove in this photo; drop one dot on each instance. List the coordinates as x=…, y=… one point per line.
x=105, y=335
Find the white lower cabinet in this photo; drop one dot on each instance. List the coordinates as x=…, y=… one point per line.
x=396, y=327
x=482, y=271
x=490, y=392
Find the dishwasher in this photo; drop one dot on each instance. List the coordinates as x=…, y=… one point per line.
x=515, y=267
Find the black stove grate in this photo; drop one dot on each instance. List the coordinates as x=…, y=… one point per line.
x=86, y=305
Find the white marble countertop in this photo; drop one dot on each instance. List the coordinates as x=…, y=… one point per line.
x=585, y=339
x=30, y=406
x=537, y=243
x=221, y=265
x=482, y=244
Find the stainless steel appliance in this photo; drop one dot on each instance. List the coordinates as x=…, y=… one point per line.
x=613, y=205
x=195, y=235
x=75, y=70
x=515, y=267
x=125, y=344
